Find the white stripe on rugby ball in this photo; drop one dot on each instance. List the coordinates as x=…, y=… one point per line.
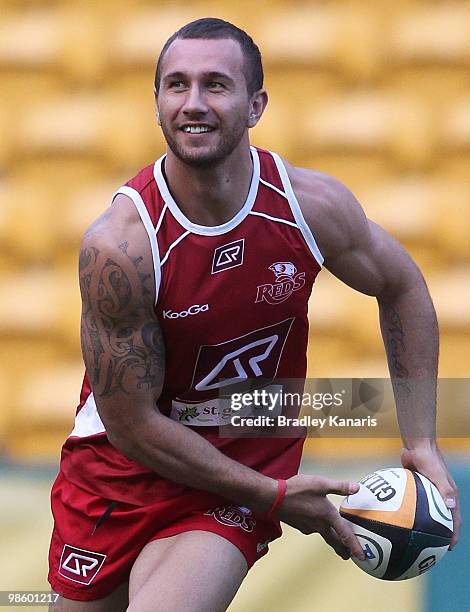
x=391, y=481
x=437, y=508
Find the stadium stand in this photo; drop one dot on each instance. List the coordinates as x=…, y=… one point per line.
x=369, y=95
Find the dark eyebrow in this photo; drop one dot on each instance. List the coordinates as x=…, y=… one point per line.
x=174, y=75
x=219, y=75
x=209, y=75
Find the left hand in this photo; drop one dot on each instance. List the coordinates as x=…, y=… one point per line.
x=428, y=460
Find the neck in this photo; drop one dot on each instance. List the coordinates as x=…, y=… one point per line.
x=211, y=196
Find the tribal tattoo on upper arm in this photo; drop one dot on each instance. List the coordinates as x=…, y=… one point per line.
x=122, y=343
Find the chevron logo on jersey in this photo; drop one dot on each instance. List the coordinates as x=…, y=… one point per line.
x=287, y=281
x=254, y=356
x=228, y=256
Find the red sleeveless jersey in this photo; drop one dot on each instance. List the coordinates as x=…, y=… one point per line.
x=232, y=304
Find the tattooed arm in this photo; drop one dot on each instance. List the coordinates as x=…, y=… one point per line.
x=365, y=257
x=124, y=354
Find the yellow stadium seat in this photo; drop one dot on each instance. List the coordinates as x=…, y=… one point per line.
x=29, y=223
x=30, y=38
x=131, y=136
x=348, y=122
x=369, y=121
x=290, y=92
x=451, y=295
x=72, y=124
x=84, y=53
x=431, y=34
x=322, y=36
x=51, y=394
x=83, y=207
x=89, y=125
x=405, y=207
x=316, y=31
x=453, y=354
x=41, y=412
x=452, y=221
x=41, y=304
x=454, y=129
x=5, y=392
x=29, y=303
x=139, y=36
x=336, y=309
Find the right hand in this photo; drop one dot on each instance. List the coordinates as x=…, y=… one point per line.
x=307, y=508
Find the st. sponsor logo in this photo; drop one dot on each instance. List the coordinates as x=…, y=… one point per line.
x=188, y=413
x=192, y=310
x=287, y=281
x=233, y=516
x=204, y=413
x=80, y=565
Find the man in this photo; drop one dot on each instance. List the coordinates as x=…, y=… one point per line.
x=196, y=278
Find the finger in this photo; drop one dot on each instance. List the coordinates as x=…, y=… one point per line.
x=337, y=487
x=457, y=526
x=450, y=495
x=456, y=517
x=346, y=536
x=331, y=537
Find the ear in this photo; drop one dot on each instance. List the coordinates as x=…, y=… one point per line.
x=258, y=103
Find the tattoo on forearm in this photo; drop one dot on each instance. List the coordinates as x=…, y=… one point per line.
x=121, y=353
x=396, y=343
x=396, y=347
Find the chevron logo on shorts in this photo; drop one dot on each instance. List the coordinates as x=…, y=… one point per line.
x=80, y=565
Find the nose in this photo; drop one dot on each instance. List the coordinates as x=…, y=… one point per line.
x=195, y=103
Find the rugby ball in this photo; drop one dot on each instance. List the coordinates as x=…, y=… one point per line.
x=401, y=521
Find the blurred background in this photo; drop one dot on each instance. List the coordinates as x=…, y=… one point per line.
x=374, y=93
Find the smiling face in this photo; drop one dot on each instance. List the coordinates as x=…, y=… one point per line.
x=203, y=102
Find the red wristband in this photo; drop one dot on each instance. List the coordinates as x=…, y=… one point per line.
x=281, y=493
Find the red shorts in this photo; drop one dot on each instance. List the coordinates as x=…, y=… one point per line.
x=96, y=541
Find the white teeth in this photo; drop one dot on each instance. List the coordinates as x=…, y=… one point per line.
x=196, y=129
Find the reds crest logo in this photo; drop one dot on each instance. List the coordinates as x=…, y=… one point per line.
x=233, y=516
x=287, y=281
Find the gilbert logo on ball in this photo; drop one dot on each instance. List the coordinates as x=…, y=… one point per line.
x=401, y=521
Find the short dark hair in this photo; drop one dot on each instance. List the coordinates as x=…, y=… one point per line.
x=211, y=28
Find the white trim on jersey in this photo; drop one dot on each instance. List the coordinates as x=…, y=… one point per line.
x=87, y=421
x=206, y=230
x=172, y=246
x=160, y=218
x=296, y=210
x=276, y=189
x=276, y=219
x=135, y=196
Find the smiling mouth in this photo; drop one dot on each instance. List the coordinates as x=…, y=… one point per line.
x=196, y=129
